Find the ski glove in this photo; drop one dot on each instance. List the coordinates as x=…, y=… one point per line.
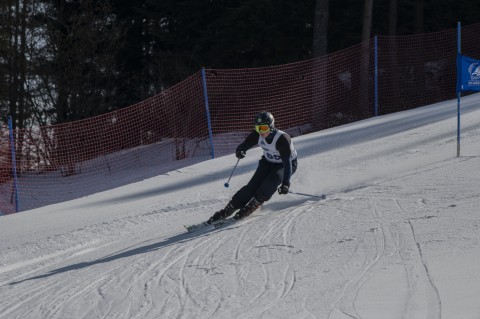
x=240, y=153
x=283, y=189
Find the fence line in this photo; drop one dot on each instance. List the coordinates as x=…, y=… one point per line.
x=187, y=123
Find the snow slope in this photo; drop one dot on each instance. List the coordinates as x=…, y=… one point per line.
x=397, y=237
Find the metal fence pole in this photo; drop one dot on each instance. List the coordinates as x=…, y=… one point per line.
x=459, y=43
x=207, y=109
x=376, y=74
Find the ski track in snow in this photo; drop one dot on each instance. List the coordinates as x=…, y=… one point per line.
x=297, y=257
x=389, y=245
x=253, y=262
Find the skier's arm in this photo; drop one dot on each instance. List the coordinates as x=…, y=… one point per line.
x=283, y=147
x=250, y=141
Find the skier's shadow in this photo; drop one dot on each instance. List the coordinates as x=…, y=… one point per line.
x=182, y=237
x=179, y=238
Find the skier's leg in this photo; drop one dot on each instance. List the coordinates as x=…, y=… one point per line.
x=244, y=195
x=269, y=185
x=272, y=182
x=247, y=192
x=246, y=210
x=266, y=190
x=223, y=213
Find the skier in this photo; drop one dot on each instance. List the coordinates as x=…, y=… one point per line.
x=278, y=163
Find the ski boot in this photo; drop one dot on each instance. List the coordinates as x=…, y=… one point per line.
x=223, y=213
x=252, y=206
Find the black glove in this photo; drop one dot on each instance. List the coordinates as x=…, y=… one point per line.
x=240, y=153
x=283, y=189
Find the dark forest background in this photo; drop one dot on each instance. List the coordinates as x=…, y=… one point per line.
x=62, y=61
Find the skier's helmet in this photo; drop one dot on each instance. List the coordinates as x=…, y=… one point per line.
x=264, y=118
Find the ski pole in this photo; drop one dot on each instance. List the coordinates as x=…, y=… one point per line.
x=323, y=196
x=226, y=184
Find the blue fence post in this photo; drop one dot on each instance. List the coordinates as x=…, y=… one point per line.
x=207, y=109
x=1, y=213
x=375, y=50
x=14, y=163
x=459, y=43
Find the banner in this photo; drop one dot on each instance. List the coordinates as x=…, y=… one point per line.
x=468, y=74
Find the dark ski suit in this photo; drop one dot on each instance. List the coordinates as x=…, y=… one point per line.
x=272, y=170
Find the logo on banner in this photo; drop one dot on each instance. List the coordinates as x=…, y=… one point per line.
x=474, y=70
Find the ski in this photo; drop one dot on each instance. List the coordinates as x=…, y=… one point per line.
x=214, y=225
x=196, y=227
x=223, y=222
x=320, y=197
x=231, y=220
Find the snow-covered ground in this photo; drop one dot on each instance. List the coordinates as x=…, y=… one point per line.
x=397, y=237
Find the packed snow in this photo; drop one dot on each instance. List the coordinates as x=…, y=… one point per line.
x=397, y=237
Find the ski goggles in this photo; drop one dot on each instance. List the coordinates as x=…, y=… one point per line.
x=263, y=128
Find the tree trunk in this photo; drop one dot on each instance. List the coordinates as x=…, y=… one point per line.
x=364, y=107
x=22, y=112
x=392, y=18
x=419, y=8
x=13, y=65
x=420, y=58
x=367, y=20
x=392, y=49
x=320, y=65
x=320, y=28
